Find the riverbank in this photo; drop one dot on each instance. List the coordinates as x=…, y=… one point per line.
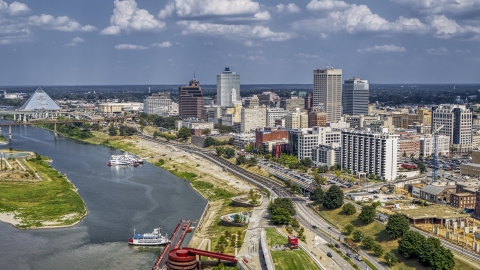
x=33, y=195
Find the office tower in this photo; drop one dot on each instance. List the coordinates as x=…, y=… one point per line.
x=457, y=124
x=253, y=118
x=251, y=102
x=292, y=103
x=274, y=114
x=355, y=96
x=370, y=153
x=157, y=103
x=227, y=81
x=190, y=100
x=327, y=92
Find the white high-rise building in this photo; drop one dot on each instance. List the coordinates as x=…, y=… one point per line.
x=274, y=114
x=309, y=138
x=227, y=81
x=327, y=92
x=457, y=124
x=370, y=153
x=426, y=145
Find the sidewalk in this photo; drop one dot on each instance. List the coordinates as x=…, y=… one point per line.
x=251, y=243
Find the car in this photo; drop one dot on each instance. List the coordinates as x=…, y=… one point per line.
x=314, y=227
x=329, y=254
x=337, y=245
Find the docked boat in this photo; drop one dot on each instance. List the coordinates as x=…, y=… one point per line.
x=125, y=159
x=149, y=239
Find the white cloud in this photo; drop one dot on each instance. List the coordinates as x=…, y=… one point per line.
x=165, y=44
x=250, y=43
x=74, y=42
x=462, y=51
x=457, y=7
x=290, y=8
x=233, y=31
x=447, y=28
x=383, y=48
x=128, y=17
x=199, y=8
x=440, y=50
x=358, y=19
x=321, y=5
x=208, y=43
x=17, y=8
x=307, y=56
x=62, y=23
x=262, y=16
x=130, y=47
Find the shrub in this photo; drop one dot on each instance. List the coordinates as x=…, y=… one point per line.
x=349, y=209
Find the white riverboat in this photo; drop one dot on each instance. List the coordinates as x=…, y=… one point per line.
x=149, y=239
x=125, y=159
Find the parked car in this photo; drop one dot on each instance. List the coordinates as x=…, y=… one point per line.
x=314, y=227
x=329, y=254
x=337, y=245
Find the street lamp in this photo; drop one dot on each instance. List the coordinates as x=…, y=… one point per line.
x=330, y=230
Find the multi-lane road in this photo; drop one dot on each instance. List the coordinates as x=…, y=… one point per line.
x=304, y=213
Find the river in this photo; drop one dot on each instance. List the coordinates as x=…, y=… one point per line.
x=118, y=200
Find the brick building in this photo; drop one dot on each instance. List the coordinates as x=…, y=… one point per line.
x=190, y=100
x=409, y=145
x=269, y=134
x=463, y=200
x=317, y=118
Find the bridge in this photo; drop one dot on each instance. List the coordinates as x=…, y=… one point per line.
x=175, y=241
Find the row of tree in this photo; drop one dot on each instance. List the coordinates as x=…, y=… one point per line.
x=212, y=141
x=122, y=131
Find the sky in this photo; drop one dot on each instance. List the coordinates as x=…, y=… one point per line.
x=119, y=42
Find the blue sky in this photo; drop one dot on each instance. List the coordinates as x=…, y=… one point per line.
x=85, y=42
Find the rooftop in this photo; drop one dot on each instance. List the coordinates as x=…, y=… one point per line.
x=436, y=211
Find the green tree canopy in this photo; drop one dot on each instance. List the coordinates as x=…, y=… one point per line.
x=333, y=198
x=318, y=196
x=427, y=249
x=209, y=141
x=282, y=203
x=390, y=258
x=184, y=133
x=229, y=153
x=281, y=211
x=442, y=259
x=377, y=250
x=112, y=131
x=409, y=244
x=368, y=242
x=206, y=131
x=307, y=162
x=348, y=229
x=357, y=235
x=397, y=225
x=349, y=209
x=240, y=160
x=367, y=215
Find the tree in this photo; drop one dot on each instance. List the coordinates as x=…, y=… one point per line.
x=307, y=162
x=426, y=251
x=282, y=203
x=220, y=150
x=338, y=173
x=397, y=226
x=249, y=148
x=252, y=161
x=390, y=258
x=367, y=215
x=112, y=131
x=409, y=244
x=206, y=131
x=296, y=188
x=236, y=218
x=229, y=153
x=318, y=196
x=184, y=133
x=333, y=198
x=421, y=167
x=368, y=242
x=230, y=141
x=268, y=156
x=357, y=235
x=377, y=250
x=443, y=259
x=349, y=209
x=209, y=142
x=240, y=160
x=348, y=229
x=280, y=216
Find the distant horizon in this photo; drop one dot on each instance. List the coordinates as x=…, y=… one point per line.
x=210, y=84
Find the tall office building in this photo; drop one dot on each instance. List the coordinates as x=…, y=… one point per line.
x=457, y=124
x=355, y=97
x=227, y=81
x=327, y=92
x=190, y=100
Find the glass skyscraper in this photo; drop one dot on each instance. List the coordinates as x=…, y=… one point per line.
x=225, y=82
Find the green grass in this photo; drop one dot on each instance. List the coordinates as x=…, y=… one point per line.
x=288, y=259
x=48, y=200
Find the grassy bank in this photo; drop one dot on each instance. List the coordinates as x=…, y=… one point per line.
x=377, y=231
x=288, y=259
x=50, y=202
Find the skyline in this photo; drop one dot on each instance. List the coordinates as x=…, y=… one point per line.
x=128, y=42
